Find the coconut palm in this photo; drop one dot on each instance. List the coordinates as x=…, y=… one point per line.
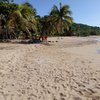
x=61, y=18
x=23, y=19
x=43, y=26
x=5, y=10
x=32, y=8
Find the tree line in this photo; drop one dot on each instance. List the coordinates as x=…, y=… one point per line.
x=21, y=21
x=85, y=30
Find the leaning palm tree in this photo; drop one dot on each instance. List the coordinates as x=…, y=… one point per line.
x=60, y=18
x=23, y=19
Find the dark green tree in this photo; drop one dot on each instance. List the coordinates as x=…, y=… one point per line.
x=61, y=18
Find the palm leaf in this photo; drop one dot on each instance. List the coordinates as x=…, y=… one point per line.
x=54, y=10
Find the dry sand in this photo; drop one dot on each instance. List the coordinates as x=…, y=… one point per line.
x=67, y=69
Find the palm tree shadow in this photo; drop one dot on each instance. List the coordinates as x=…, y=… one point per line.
x=26, y=41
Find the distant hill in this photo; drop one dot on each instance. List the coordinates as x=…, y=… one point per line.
x=85, y=30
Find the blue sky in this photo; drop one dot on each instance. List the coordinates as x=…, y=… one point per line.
x=83, y=11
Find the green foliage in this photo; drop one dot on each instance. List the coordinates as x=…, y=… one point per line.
x=85, y=30
x=55, y=23
x=7, y=9
x=60, y=19
x=16, y=18
x=22, y=21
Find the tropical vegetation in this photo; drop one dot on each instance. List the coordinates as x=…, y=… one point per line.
x=20, y=21
x=85, y=30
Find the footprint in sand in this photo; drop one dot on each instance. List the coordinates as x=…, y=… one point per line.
x=62, y=96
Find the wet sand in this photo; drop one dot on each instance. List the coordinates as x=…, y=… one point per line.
x=66, y=69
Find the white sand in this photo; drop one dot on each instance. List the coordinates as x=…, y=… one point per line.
x=66, y=70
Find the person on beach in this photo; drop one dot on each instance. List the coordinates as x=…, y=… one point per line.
x=46, y=39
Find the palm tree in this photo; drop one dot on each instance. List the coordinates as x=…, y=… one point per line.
x=5, y=10
x=43, y=26
x=60, y=18
x=23, y=19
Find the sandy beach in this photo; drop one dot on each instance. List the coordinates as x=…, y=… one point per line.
x=66, y=69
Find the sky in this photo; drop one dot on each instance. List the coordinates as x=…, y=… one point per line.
x=83, y=11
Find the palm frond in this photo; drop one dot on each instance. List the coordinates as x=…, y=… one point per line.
x=54, y=10
x=69, y=19
x=65, y=10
